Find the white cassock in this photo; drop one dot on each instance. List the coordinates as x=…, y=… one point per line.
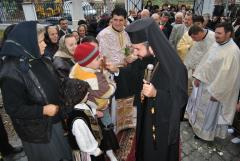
x=219, y=73
x=198, y=50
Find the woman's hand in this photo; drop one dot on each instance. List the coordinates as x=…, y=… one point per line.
x=50, y=110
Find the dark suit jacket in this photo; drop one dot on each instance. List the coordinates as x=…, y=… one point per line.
x=61, y=33
x=167, y=29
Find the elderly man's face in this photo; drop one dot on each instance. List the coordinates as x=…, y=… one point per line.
x=141, y=50
x=64, y=24
x=188, y=20
x=178, y=20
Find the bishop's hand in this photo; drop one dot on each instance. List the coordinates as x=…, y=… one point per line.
x=148, y=89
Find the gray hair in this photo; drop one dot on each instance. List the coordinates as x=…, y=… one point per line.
x=145, y=13
x=179, y=14
x=155, y=15
x=206, y=16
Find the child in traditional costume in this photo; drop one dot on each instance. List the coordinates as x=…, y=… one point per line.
x=85, y=134
x=102, y=88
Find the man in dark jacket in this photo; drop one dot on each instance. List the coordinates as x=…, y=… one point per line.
x=63, y=30
x=165, y=26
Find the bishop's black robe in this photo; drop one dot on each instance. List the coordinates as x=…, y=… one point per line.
x=158, y=118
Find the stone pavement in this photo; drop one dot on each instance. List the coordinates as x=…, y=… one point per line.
x=191, y=149
x=196, y=150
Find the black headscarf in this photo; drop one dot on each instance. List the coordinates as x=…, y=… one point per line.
x=146, y=30
x=22, y=41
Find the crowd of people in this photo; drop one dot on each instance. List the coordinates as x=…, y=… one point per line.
x=59, y=86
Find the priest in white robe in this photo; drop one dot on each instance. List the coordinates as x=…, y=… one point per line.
x=212, y=105
x=203, y=41
x=113, y=41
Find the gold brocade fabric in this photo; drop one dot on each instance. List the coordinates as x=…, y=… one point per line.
x=126, y=114
x=120, y=37
x=184, y=45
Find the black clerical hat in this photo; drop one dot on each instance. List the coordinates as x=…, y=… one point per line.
x=137, y=30
x=170, y=66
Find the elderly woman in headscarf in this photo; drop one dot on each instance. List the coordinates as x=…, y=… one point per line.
x=63, y=59
x=30, y=90
x=51, y=38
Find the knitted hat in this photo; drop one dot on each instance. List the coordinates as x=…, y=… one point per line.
x=85, y=53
